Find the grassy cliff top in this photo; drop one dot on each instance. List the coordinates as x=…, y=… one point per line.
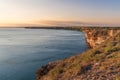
x=100, y=63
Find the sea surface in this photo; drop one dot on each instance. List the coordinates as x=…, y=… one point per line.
x=24, y=51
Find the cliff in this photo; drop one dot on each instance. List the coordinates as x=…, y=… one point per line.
x=101, y=62
x=96, y=36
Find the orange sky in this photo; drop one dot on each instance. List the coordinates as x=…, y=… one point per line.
x=58, y=12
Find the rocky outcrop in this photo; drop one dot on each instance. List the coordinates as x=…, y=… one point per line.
x=45, y=69
x=95, y=37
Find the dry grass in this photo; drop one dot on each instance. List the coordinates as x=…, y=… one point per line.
x=105, y=59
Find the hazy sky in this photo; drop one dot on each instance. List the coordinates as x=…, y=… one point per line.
x=39, y=12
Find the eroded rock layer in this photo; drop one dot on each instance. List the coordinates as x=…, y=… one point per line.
x=95, y=37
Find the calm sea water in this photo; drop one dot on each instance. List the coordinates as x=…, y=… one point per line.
x=23, y=51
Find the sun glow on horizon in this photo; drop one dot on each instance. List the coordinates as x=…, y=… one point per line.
x=53, y=12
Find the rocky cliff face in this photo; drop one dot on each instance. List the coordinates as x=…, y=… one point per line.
x=95, y=37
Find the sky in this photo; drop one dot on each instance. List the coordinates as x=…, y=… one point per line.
x=59, y=12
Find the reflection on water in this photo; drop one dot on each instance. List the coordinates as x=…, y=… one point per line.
x=23, y=51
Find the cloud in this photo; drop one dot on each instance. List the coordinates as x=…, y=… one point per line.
x=60, y=23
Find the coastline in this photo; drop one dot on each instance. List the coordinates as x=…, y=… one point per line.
x=44, y=73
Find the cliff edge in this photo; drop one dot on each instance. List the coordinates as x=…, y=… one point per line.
x=96, y=36
x=101, y=62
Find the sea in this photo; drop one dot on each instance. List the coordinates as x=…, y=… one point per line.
x=24, y=51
